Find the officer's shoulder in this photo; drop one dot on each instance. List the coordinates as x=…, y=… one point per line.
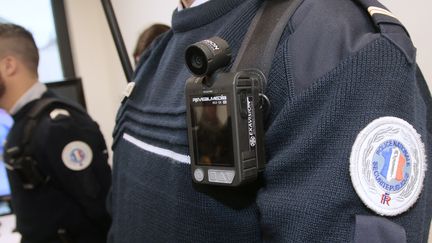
x=351, y=23
x=324, y=33
x=60, y=123
x=63, y=112
x=334, y=16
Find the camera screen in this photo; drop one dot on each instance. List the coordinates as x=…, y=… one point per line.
x=211, y=131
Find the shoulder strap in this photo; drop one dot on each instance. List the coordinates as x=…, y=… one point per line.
x=264, y=33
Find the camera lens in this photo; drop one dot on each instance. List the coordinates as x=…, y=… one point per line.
x=197, y=62
x=205, y=57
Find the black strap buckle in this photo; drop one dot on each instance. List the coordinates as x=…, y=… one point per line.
x=26, y=169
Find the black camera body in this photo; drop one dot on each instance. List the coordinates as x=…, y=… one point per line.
x=225, y=122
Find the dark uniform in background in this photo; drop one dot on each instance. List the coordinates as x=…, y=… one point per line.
x=71, y=155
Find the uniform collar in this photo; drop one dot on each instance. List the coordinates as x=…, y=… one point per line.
x=194, y=4
x=34, y=93
x=192, y=18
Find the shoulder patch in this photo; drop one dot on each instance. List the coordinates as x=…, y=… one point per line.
x=387, y=166
x=77, y=155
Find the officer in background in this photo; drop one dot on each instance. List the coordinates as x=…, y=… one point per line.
x=347, y=137
x=58, y=170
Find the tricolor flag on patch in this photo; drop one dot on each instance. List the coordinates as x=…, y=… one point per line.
x=394, y=165
x=77, y=155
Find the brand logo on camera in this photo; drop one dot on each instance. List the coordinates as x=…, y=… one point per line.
x=209, y=98
x=211, y=44
x=251, y=122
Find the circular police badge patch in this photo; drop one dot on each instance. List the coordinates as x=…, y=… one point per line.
x=77, y=155
x=388, y=165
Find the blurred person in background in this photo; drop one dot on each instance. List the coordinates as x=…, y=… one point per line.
x=146, y=38
x=55, y=153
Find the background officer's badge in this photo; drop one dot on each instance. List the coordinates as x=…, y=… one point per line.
x=77, y=155
x=388, y=165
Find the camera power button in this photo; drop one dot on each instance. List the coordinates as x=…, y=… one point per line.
x=199, y=175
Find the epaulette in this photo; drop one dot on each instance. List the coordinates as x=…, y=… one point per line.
x=58, y=114
x=390, y=27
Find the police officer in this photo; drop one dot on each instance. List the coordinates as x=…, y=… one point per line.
x=55, y=154
x=347, y=136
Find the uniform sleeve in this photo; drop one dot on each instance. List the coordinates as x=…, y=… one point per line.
x=312, y=144
x=74, y=154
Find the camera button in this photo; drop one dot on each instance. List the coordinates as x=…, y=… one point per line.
x=199, y=175
x=221, y=176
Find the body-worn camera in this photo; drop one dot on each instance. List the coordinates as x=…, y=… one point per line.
x=225, y=117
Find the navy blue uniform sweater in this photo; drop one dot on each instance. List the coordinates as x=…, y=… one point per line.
x=73, y=201
x=333, y=73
